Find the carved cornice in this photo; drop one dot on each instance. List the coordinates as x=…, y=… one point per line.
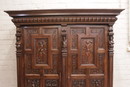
x=64, y=16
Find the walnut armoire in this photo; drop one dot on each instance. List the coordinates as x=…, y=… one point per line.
x=64, y=48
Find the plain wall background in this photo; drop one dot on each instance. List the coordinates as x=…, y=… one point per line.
x=8, y=77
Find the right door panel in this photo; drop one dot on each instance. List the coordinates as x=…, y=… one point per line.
x=87, y=56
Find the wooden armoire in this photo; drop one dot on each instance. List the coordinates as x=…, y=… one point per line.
x=64, y=47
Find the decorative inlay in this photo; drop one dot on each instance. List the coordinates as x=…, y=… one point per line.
x=33, y=83
x=51, y=83
x=79, y=83
x=97, y=83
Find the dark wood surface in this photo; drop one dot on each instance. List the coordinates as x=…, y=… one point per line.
x=65, y=48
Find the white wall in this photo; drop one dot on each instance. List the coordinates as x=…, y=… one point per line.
x=7, y=35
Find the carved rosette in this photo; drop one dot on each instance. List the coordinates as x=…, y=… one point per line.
x=18, y=42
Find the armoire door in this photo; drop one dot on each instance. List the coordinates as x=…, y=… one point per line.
x=87, y=56
x=42, y=56
x=85, y=64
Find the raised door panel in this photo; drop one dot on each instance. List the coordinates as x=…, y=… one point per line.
x=87, y=56
x=42, y=56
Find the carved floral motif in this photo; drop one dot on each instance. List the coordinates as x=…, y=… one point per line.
x=97, y=83
x=79, y=83
x=41, y=51
x=51, y=83
x=87, y=50
x=33, y=83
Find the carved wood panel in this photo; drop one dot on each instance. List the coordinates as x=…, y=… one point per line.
x=42, y=56
x=87, y=56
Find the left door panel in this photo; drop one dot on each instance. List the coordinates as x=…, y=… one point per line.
x=42, y=57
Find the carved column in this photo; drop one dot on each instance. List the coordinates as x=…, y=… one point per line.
x=19, y=54
x=110, y=51
x=64, y=54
